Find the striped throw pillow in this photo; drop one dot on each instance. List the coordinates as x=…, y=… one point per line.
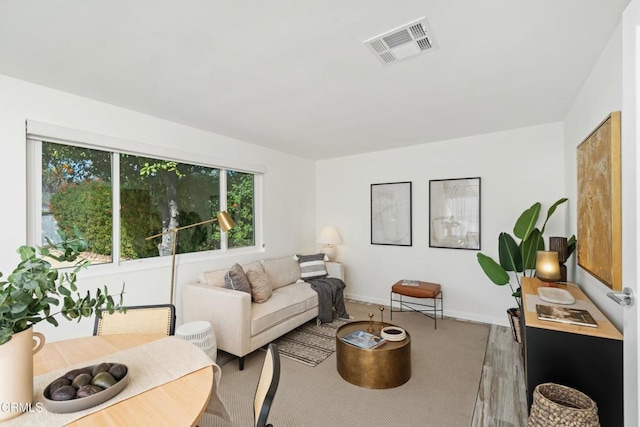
x=312, y=266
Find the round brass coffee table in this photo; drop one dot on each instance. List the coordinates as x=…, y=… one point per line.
x=387, y=366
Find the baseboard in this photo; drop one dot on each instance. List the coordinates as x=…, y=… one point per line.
x=471, y=317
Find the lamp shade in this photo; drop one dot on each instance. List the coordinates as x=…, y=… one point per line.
x=329, y=236
x=547, y=266
x=225, y=221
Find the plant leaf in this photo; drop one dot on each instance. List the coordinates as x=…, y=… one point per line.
x=529, y=249
x=571, y=245
x=550, y=212
x=527, y=222
x=509, y=253
x=493, y=270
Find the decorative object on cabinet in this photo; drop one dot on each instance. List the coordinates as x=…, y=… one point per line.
x=454, y=213
x=519, y=258
x=391, y=214
x=329, y=237
x=547, y=266
x=555, y=295
x=564, y=248
x=599, y=203
x=226, y=224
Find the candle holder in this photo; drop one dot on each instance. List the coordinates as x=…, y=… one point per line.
x=370, y=330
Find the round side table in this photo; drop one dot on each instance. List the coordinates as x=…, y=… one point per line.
x=386, y=366
x=200, y=334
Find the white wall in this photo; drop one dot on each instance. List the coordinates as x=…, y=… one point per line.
x=517, y=167
x=600, y=95
x=289, y=199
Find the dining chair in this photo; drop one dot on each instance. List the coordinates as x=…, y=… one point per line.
x=267, y=386
x=140, y=319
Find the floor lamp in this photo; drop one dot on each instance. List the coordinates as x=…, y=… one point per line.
x=226, y=224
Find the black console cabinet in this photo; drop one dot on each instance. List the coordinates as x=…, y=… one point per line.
x=586, y=359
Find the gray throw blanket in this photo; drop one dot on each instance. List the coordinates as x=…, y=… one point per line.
x=330, y=294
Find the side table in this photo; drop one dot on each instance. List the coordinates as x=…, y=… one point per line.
x=199, y=333
x=386, y=366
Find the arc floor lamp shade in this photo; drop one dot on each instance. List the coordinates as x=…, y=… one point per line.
x=226, y=224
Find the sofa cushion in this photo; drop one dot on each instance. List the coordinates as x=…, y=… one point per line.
x=281, y=271
x=280, y=307
x=312, y=266
x=302, y=290
x=260, y=285
x=214, y=278
x=237, y=280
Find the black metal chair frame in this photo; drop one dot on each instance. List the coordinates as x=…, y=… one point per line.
x=430, y=310
x=273, y=386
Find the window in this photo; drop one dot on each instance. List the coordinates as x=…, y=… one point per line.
x=159, y=195
x=240, y=202
x=76, y=194
x=80, y=185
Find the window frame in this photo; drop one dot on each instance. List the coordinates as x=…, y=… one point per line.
x=37, y=132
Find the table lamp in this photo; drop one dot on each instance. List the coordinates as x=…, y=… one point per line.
x=226, y=224
x=328, y=237
x=547, y=266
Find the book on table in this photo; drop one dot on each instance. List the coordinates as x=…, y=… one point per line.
x=410, y=283
x=572, y=316
x=363, y=339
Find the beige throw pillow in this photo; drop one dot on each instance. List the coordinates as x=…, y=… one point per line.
x=260, y=286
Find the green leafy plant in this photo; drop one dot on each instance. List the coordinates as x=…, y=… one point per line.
x=34, y=286
x=520, y=258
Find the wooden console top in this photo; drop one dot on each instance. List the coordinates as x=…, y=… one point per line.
x=605, y=328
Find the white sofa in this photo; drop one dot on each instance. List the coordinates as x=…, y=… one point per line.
x=242, y=326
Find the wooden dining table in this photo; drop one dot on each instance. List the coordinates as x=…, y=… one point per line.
x=180, y=402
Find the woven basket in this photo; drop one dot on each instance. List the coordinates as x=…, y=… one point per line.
x=558, y=405
x=514, y=319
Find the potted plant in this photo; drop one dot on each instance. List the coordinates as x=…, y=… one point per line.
x=27, y=297
x=519, y=258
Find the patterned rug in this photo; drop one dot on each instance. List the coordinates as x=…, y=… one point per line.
x=310, y=343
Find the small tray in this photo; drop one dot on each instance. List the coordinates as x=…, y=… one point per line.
x=82, y=403
x=556, y=295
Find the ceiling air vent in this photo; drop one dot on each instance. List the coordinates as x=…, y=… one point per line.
x=403, y=42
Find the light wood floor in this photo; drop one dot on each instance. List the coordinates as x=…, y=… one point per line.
x=502, y=398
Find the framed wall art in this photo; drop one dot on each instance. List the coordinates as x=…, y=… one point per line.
x=391, y=214
x=599, y=203
x=454, y=213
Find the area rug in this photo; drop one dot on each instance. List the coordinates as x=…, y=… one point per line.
x=310, y=343
x=446, y=368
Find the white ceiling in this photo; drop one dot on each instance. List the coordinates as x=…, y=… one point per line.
x=295, y=76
